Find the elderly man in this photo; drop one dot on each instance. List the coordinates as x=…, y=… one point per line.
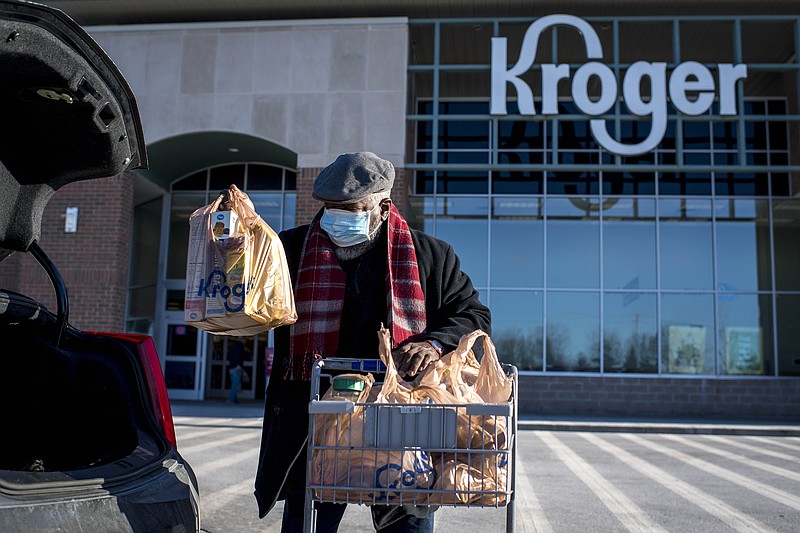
x=356, y=266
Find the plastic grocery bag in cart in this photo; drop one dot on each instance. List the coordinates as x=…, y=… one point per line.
x=473, y=473
x=237, y=279
x=345, y=461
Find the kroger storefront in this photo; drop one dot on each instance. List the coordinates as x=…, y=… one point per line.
x=623, y=192
x=622, y=183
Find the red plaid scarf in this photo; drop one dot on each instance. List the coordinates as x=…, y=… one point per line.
x=320, y=290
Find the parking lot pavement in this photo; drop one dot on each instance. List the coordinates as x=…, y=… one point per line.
x=601, y=477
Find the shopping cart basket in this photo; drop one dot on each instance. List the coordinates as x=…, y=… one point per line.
x=408, y=454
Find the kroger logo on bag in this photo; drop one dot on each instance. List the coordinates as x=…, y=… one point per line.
x=215, y=286
x=686, y=79
x=419, y=474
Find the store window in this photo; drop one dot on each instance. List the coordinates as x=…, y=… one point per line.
x=679, y=261
x=270, y=188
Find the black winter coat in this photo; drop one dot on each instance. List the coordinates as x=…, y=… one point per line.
x=452, y=310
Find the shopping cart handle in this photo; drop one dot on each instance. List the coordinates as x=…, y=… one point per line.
x=489, y=409
x=322, y=407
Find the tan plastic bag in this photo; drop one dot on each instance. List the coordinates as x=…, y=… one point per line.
x=353, y=471
x=237, y=279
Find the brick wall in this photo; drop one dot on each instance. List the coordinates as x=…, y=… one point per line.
x=776, y=398
x=307, y=207
x=93, y=261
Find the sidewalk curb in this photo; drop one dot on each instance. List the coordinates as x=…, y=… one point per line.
x=766, y=430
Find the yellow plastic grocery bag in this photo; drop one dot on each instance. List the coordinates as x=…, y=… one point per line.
x=237, y=279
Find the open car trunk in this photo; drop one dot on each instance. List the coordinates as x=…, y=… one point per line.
x=76, y=408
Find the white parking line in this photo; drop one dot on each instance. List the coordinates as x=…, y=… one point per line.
x=757, y=449
x=217, y=442
x=724, y=512
x=791, y=443
x=527, y=506
x=624, y=509
x=224, y=462
x=780, y=496
x=214, y=501
x=772, y=469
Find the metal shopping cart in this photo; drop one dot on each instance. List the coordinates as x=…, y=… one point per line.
x=369, y=453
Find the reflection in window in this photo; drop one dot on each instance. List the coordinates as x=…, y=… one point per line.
x=573, y=331
x=183, y=205
x=743, y=248
x=687, y=334
x=629, y=244
x=179, y=375
x=786, y=222
x=686, y=244
x=630, y=332
x=517, y=328
x=788, y=309
x=745, y=334
x=181, y=340
x=465, y=226
x=517, y=254
x=573, y=243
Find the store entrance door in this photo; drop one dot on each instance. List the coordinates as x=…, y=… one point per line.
x=255, y=366
x=184, y=358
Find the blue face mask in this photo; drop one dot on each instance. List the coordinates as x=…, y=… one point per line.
x=345, y=228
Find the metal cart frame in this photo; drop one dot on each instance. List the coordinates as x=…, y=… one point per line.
x=422, y=430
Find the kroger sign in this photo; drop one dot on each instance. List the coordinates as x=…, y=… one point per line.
x=686, y=78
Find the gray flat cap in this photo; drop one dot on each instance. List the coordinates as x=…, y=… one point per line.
x=352, y=177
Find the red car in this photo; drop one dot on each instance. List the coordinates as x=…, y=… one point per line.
x=88, y=442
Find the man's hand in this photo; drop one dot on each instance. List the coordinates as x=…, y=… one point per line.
x=413, y=357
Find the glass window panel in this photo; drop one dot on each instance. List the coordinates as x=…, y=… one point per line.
x=268, y=205
x=517, y=243
x=222, y=178
x=696, y=135
x=290, y=180
x=264, y=177
x=142, y=326
x=194, y=182
x=517, y=182
x=725, y=135
x=778, y=135
x=745, y=334
x=684, y=183
x=743, y=248
x=463, y=134
x=464, y=225
x=460, y=182
x=289, y=210
x=780, y=185
x=517, y=325
x=687, y=334
x=179, y=374
x=146, y=242
x=520, y=158
x=573, y=243
x=423, y=182
x=788, y=309
x=573, y=331
x=181, y=340
x=686, y=244
x=630, y=332
x=573, y=182
x=575, y=135
x=521, y=134
x=629, y=244
x=183, y=205
x=786, y=222
x=175, y=300
x=741, y=183
x=142, y=302
x=628, y=183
